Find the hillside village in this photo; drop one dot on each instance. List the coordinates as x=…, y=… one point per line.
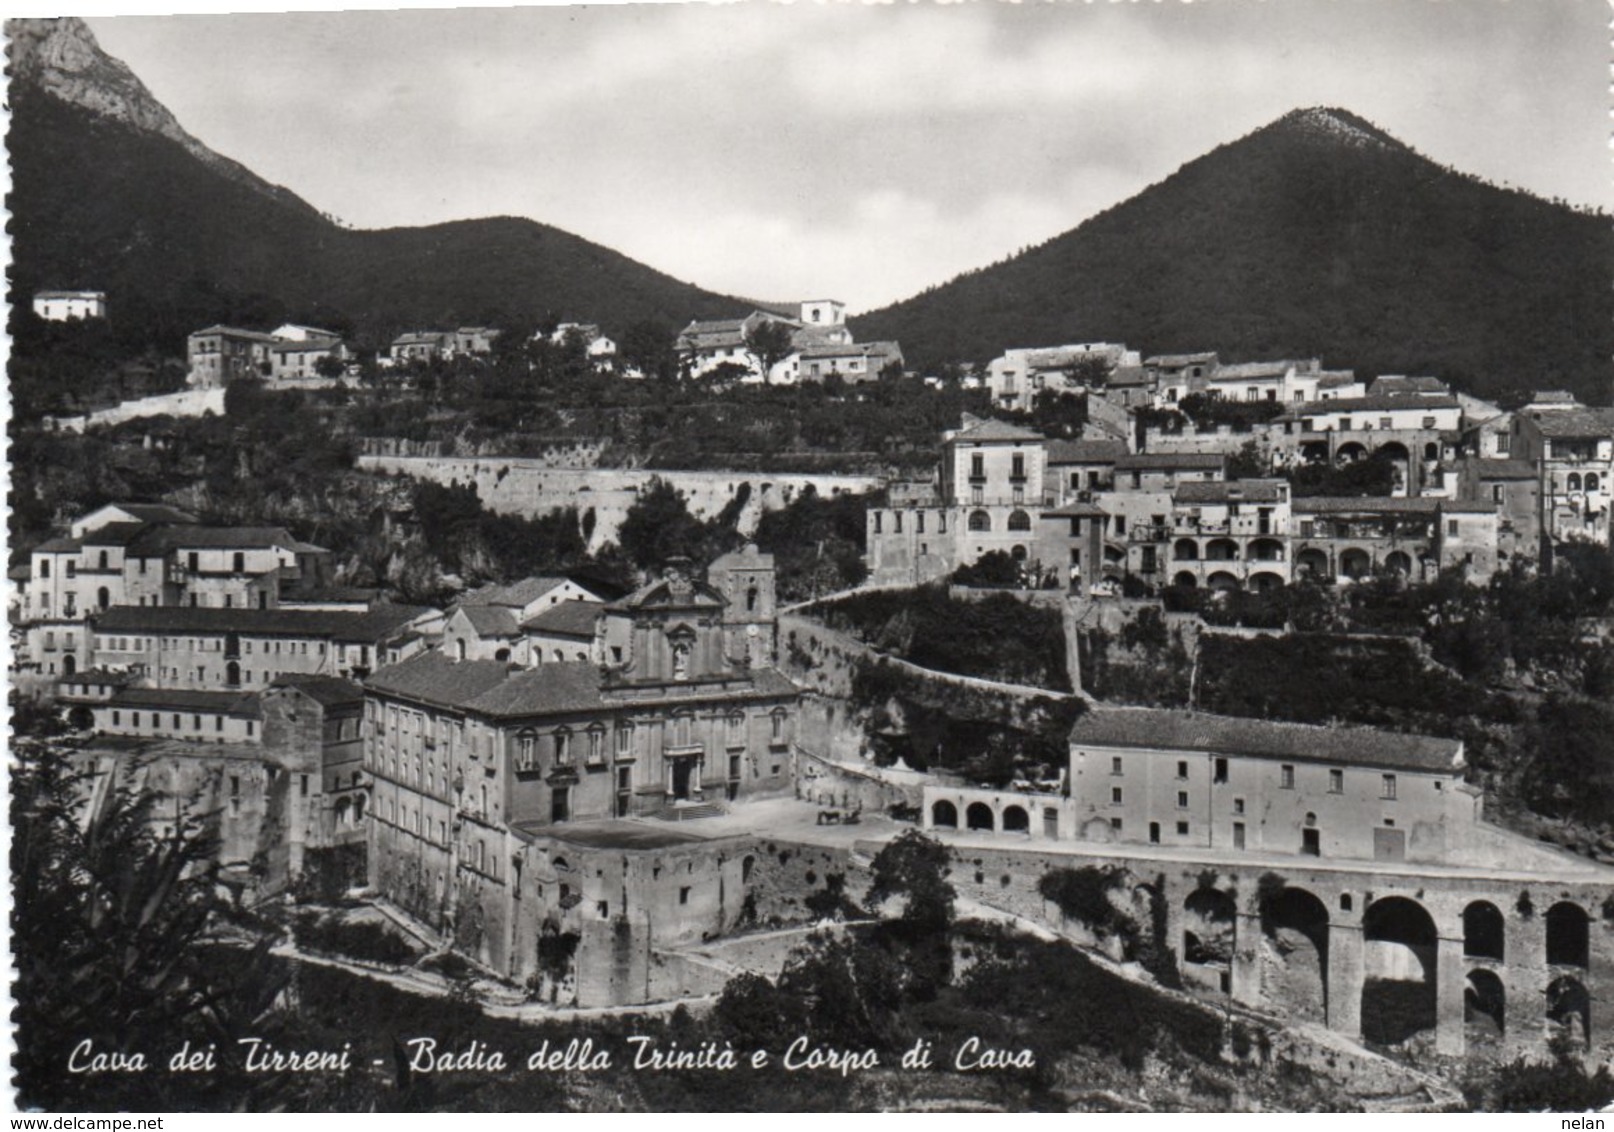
x=482, y=772
x=1207, y=729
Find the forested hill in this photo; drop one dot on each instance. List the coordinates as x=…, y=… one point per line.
x=1316, y=235
x=110, y=194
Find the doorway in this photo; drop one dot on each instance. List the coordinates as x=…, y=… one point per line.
x=681, y=769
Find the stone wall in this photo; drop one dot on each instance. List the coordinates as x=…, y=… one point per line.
x=533, y=486
x=186, y=403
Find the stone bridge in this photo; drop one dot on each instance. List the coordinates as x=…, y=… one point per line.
x=1492, y=963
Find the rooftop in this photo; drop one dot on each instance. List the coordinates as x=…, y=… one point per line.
x=331, y=691
x=493, y=688
x=1505, y=469
x=1574, y=422
x=1174, y=361
x=1147, y=461
x=567, y=619
x=1380, y=403
x=609, y=834
x=491, y=621
x=515, y=594
x=976, y=429
x=178, y=699
x=1167, y=729
x=371, y=626
x=187, y=536
x=1232, y=491
x=1085, y=451
x=1374, y=504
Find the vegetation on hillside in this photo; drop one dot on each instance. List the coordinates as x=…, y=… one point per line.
x=996, y=637
x=1292, y=243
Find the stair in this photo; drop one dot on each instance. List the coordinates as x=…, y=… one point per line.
x=690, y=811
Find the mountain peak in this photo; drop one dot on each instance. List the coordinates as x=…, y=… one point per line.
x=1329, y=123
x=60, y=58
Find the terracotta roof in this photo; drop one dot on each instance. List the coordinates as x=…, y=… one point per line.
x=331, y=691
x=1333, y=379
x=1232, y=491
x=1250, y=371
x=1554, y=397
x=362, y=628
x=311, y=346
x=1085, y=451
x=1467, y=507
x=1378, y=403
x=1170, y=361
x=1579, y=422
x=567, y=619
x=195, y=537
x=155, y=512
x=988, y=429
x=1381, y=504
x=1075, y=511
x=430, y=677
x=114, y=534
x=1395, y=385
x=179, y=699
x=1128, y=375
x=493, y=688
x=518, y=594
x=1505, y=469
x=59, y=545
x=1145, y=461
x=1174, y=730
x=490, y=621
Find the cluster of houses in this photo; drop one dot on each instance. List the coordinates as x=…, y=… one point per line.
x=1148, y=495
x=69, y=306
x=432, y=754
x=820, y=346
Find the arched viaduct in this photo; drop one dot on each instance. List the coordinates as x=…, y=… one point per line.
x=1492, y=964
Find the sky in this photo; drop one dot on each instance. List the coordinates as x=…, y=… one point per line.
x=852, y=151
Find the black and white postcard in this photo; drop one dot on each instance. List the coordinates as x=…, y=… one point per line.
x=812, y=557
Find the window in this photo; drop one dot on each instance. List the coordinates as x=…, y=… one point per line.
x=1220, y=771
x=624, y=740
x=526, y=751
x=878, y=521
x=1182, y=799
x=1238, y=805
x=302, y=786
x=1115, y=795
x=1182, y=829
x=1387, y=787
x=563, y=746
x=896, y=521
x=919, y=522
x=977, y=466
x=1336, y=782
x=596, y=744
x=1017, y=466
x=560, y=805
x=980, y=521
x=44, y=567
x=736, y=729
x=778, y=733
x=1451, y=528
x=1115, y=824
x=1115, y=765
x=1287, y=777
x=683, y=895
x=1182, y=768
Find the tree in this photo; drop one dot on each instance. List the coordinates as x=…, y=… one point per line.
x=1247, y=463
x=915, y=867
x=329, y=365
x=769, y=342
x=108, y=932
x=648, y=346
x=659, y=526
